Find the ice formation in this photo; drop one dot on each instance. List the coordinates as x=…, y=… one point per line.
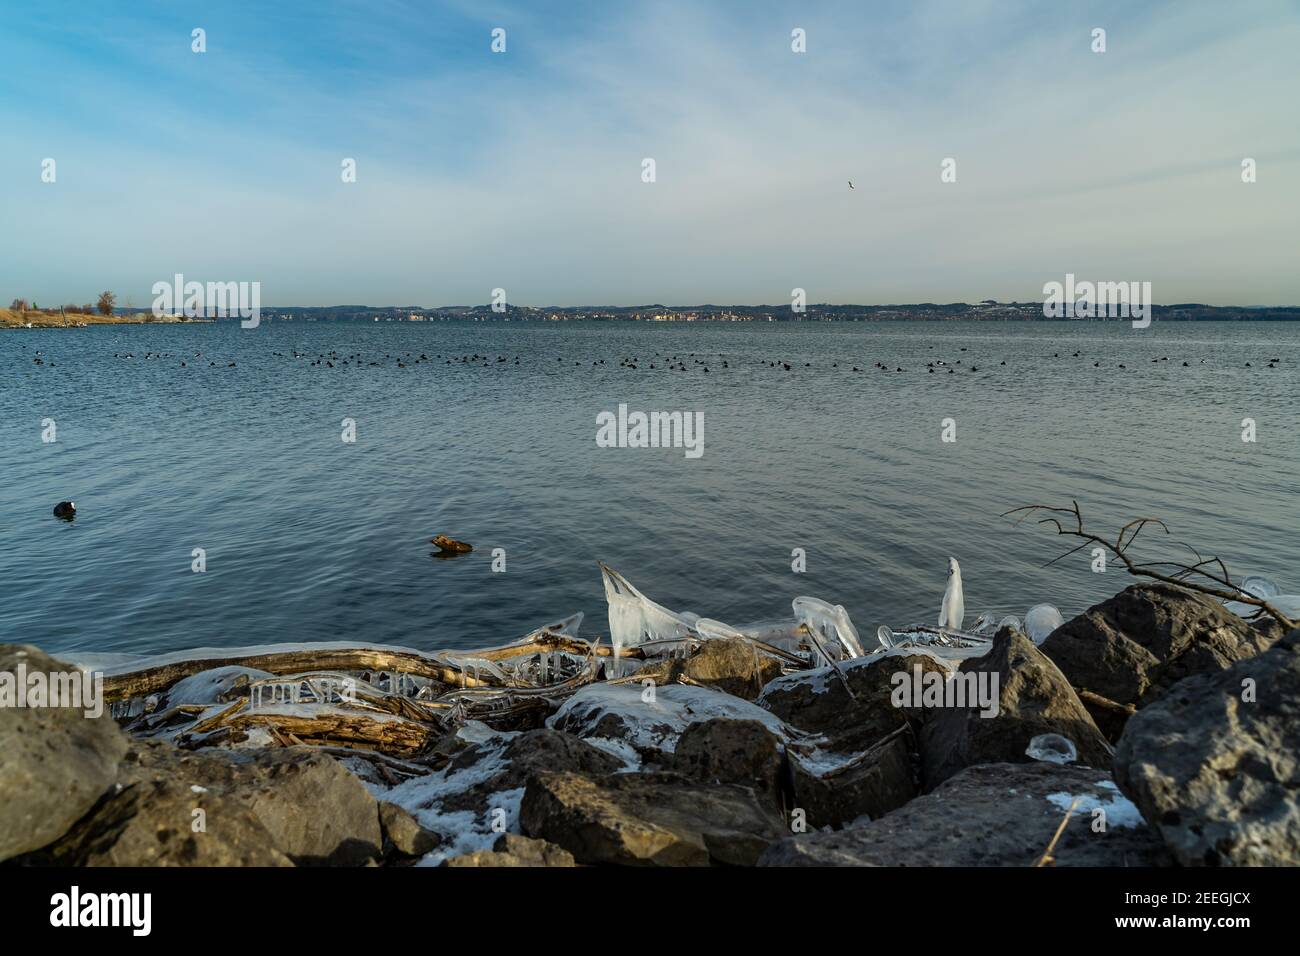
x=1052, y=748
x=1261, y=587
x=953, y=608
x=634, y=618
x=831, y=623
x=1041, y=620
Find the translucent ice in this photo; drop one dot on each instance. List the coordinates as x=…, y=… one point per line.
x=1041, y=620
x=634, y=618
x=1259, y=586
x=1052, y=748
x=953, y=608
x=831, y=623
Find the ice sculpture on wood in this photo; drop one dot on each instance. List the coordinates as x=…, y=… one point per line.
x=634, y=618
x=948, y=639
x=831, y=623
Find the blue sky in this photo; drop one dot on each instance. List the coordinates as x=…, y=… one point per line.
x=522, y=170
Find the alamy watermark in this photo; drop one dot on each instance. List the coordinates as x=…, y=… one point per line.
x=932, y=689
x=651, y=430
x=218, y=299
x=1098, y=300
x=20, y=688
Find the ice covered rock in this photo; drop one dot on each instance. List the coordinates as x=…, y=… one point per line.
x=467, y=801
x=213, y=686
x=818, y=702
x=650, y=718
x=832, y=789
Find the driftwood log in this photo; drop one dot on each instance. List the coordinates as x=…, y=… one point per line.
x=152, y=680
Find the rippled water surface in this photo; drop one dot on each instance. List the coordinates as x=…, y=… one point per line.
x=310, y=538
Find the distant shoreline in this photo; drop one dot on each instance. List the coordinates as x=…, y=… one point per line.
x=11, y=319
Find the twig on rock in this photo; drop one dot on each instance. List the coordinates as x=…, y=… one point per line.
x=1209, y=575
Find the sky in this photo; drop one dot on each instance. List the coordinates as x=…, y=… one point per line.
x=523, y=170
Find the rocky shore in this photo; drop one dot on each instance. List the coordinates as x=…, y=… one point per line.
x=1184, y=719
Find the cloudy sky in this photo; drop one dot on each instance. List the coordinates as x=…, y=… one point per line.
x=522, y=170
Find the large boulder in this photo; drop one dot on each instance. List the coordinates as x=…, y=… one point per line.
x=1215, y=763
x=991, y=815
x=1031, y=697
x=648, y=819
x=817, y=700
x=729, y=664
x=1133, y=647
x=171, y=807
x=55, y=762
x=743, y=752
x=167, y=822
x=315, y=810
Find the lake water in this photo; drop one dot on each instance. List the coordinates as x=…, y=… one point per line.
x=309, y=538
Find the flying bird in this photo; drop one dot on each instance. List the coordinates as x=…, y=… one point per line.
x=850, y=184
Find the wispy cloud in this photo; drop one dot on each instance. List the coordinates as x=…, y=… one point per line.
x=522, y=170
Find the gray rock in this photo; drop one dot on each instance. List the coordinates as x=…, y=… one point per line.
x=315, y=810
x=1217, y=775
x=817, y=701
x=261, y=808
x=1033, y=698
x=164, y=822
x=403, y=833
x=990, y=815
x=648, y=819
x=743, y=752
x=1133, y=647
x=513, y=850
x=55, y=762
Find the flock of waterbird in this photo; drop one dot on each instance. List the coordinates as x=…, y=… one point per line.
x=658, y=361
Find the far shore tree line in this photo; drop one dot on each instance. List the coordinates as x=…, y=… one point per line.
x=104, y=306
